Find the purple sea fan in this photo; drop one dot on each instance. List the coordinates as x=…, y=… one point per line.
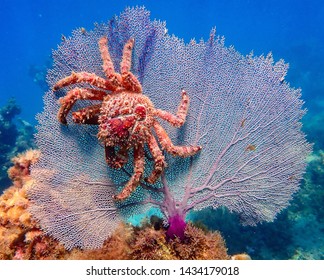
x=242, y=112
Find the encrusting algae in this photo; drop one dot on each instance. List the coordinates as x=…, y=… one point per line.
x=22, y=238
x=20, y=235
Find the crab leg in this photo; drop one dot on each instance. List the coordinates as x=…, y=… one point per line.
x=130, y=82
x=166, y=143
x=84, y=77
x=108, y=66
x=87, y=115
x=72, y=96
x=159, y=162
x=178, y=119
x=134, y=181
x=126, y=62
x=114, y=160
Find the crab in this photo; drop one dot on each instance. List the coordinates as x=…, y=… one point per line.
x=126, y=117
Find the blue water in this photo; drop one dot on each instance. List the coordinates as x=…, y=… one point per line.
x=291, y=29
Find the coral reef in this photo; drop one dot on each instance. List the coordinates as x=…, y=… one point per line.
x=307, y=213
x=148, y=243
x=195, y=245
x=16, y=226
x=22, y=238
x=265, y=241
x=15, y=137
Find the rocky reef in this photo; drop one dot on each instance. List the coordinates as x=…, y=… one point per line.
x=22, y=238
x=15, y=136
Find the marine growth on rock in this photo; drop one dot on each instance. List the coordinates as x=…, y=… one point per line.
x=242, y=112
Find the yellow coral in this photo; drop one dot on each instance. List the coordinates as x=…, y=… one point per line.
x=15, y=220
x=242, y=256
x=197, y=245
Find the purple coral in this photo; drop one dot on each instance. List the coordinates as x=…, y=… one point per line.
x=242, y=112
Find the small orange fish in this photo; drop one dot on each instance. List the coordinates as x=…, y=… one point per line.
x=292, y=177
x=250, y=148
x=243, y=122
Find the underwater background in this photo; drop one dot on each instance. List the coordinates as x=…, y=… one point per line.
x=292, y=30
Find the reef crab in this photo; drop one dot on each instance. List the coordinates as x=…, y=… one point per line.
x=126, y=117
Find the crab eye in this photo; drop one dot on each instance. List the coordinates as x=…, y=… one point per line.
x=140, y=112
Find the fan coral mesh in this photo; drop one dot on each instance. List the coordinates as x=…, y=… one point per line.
x=242, y=112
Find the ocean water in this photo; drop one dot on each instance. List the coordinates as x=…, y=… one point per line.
x=290, y=29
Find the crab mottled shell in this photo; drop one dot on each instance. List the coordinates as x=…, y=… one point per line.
x=125, y=119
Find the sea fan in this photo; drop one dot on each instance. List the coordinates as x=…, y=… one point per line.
x=242, y=112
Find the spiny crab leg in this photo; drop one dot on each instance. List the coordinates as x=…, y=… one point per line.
x=126, y=62
x=159, y=161
x=166, y=143
x=116, y=160
x=178, y=119
x=134, y=181
x=129, y=81
x=108, y=66
x=87, y=115
x=125, y=117
x=72, y=96
x=84, y=77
